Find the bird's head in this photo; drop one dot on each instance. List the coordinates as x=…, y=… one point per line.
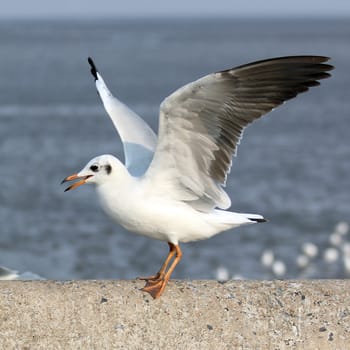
x=98, y=171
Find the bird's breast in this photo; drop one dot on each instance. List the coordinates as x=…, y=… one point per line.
x=134, y=210
x=157, y=217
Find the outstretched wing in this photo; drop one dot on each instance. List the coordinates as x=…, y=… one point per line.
x=139, y=141
x=201, y=124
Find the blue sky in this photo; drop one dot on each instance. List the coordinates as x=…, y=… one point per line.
x=137, y=8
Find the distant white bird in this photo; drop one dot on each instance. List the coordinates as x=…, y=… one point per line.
x=342, y=228
x=346, y=263
x=309, y=249
x=7, y=274
x=302, y=261
x=330, y=255
x=222, y=274
x=279, y=268
x=335, y=239
x=267, y=258
x=346, y=248
x=172, y=190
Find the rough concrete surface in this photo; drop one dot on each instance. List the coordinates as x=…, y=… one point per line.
x=189, y=315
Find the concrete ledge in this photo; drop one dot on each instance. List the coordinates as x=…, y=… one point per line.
x=190, y=315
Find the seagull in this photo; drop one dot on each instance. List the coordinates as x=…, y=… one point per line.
x=171, y=187
x=6, y=274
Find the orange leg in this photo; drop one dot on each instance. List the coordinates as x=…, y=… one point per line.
x=160, y=274
x=156, y=287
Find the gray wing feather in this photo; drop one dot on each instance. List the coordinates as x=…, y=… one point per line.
x=201, y=124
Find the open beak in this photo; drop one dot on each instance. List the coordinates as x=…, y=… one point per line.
x=82, y=181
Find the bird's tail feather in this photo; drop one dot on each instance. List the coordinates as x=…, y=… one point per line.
x=255, y=218
x=230, y=217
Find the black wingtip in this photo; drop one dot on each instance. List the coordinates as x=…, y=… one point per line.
x=93, y=68
x=258, y=220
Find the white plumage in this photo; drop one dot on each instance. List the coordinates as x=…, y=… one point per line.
x=171, y=189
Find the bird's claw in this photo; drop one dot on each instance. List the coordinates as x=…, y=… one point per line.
x=158, y=276
x=155, y=288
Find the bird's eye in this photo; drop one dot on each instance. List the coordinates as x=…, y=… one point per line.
x=94, y=168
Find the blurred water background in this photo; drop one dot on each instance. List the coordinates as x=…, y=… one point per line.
x=292, y=166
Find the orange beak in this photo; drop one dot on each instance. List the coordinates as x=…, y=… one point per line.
x=76, y=184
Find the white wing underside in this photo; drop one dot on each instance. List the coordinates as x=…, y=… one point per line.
x=201, y=124
x=139, y=140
